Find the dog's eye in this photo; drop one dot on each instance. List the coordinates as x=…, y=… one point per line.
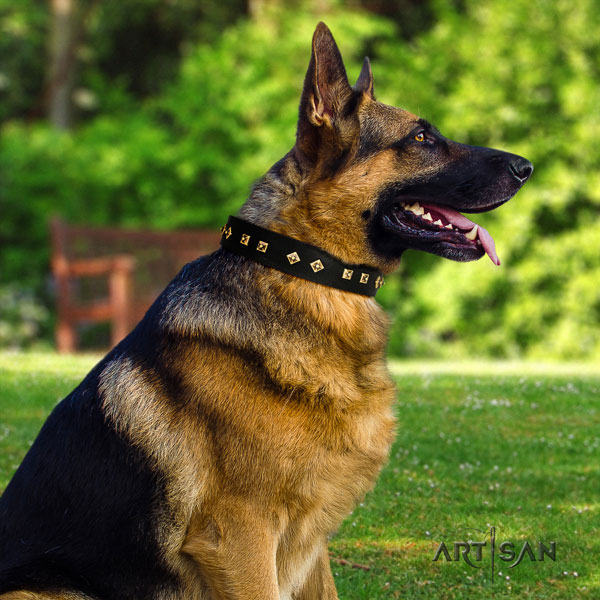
x=420, y=137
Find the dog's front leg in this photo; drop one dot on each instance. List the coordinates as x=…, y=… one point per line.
x=319, y=584
x=235, y=552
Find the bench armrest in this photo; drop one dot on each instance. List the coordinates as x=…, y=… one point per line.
x=89, y=267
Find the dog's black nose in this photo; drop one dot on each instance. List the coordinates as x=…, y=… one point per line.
x=521, y=168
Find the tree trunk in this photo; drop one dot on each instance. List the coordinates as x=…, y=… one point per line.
x=62, y=62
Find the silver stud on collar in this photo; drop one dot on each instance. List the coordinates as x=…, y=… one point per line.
x=347, y=274
x=293, y=258
x=364, y=277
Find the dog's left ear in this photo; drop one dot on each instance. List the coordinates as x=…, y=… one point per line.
x=325, y=97
x=364, y=83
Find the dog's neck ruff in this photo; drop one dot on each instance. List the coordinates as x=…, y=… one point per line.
x=298, y=258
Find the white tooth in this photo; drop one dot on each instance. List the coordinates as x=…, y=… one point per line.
x=449, y=226
x=438, y=222
x=427, y=217
x=418, y=210
x=472, y=234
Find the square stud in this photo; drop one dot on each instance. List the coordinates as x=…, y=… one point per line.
x=245, y=239
x=293, y=258
x=262, y=246
x=227, y=232
x=379, y=282
x=347, y=274
x=317, y=265
x=364, y=277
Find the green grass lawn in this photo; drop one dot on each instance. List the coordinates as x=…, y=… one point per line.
x=514, y=446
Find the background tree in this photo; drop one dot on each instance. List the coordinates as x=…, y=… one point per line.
x=66, y=30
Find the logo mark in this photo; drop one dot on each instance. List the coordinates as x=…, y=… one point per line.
x=472, y=552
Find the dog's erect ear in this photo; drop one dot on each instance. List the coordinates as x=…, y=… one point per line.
x=326, y=86
x=326, y=92
x=364, y=83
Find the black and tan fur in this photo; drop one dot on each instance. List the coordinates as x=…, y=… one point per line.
x=213, y=451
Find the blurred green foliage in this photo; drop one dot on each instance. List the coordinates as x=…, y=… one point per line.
x=523, y=78
x=22, y=317
x=22, y=37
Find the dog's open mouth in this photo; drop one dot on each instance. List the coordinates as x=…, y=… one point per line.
x=443, y=225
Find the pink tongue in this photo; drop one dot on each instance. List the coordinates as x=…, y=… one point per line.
x=488, y=245
x=462, y=222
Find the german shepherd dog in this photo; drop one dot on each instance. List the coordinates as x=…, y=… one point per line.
x=212, y=452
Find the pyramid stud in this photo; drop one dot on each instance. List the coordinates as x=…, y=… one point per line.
x=293, y=258
x=364, y=277
x=317, y=265
x=262, y=246
x=379, y=282
x=227, y=232
x=347, y=274
x=245, y=239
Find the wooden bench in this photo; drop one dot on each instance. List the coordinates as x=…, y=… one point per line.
x=113, y=275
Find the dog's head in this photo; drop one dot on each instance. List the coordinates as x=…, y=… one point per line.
x=377, y=180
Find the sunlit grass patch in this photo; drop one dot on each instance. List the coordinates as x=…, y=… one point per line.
x=483, y=444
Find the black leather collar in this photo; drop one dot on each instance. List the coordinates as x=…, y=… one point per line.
x=298, y=258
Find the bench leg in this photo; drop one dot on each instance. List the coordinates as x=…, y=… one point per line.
x=66, y=340
x=65, y=335
x=120, y=284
